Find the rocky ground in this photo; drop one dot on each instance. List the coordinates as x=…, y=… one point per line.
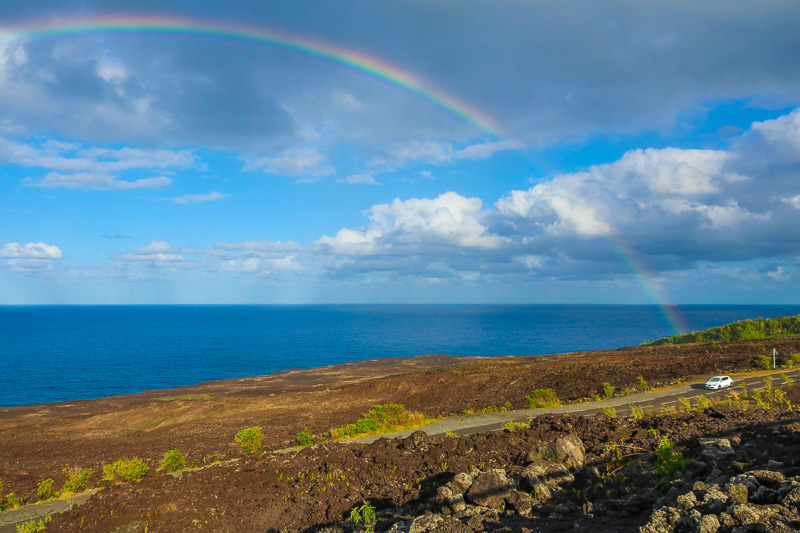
x=563, y=473
x=559, y=474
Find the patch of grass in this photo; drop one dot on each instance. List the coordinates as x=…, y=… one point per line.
x=174, y=461
x=382, y=418
x=185, y=397
x=543, y=399
x=127, y=469
x=636, y=411
x=703, y=402
x=643, y=384
x=33, y=526
x=686, y=404
x=610, y=412
x=513, y=426
x=250, y=439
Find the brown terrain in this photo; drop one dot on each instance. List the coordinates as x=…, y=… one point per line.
x=415, y=483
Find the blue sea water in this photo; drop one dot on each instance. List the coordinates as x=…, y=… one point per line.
x=57, y=353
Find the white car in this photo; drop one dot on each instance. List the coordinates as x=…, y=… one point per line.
x=719, y=382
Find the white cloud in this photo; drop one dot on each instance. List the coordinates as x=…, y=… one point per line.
x=782, y=133
x=778, y=274
x=670, y=171
x=112, y=72
x=31, y=257
x=33, y=250
x=294, y=162
x=12, y=55
x=794, y=201
x=448, y=220
x=260, y=248
x=158, y=252
x=57, y=155
x=728, y=216
x=487, y=149
x=357, y=179
x=199, y=198
x=98, y=182
x=94, y=168
x=437, y=153
x=555, y=208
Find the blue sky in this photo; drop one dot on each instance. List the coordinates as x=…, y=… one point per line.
x=646, y=153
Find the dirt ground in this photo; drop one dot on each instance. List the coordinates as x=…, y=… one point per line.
x=318, y=486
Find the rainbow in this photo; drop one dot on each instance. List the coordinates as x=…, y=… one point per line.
x=645, y=277
x=353, y=59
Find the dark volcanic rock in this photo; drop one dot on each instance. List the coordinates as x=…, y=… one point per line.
x=490, y=489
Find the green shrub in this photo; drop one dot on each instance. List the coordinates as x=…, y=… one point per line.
x=174, y=461
x=128, y=469
x=543, y=398
x=608, y=390
x=76, y=479
x=364, y=513
x=765, y=361
x=668, y=461
x=643, y=384
x=382, y=418
x=305, y=438
x=45, y=489
x=250, y=439
x=636, y=411
x=611, y=412
x=13, y=500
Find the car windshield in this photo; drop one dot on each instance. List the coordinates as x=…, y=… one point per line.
x=714, y=379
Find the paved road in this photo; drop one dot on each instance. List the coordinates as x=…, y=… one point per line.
x=9, y=520
x=655, y=400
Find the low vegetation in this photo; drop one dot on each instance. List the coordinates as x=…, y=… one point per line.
x=33, y=526
x=126, y=469
x=543, y=398
x=364, y=513
x=76, y=480
x=384, y=418
x=174, y=461
x=305, y=438
x=185, y=397
x=759, y=328
x=250, y=439
x=45, y=489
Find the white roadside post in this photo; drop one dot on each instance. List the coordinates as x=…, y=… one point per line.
x=773, y=358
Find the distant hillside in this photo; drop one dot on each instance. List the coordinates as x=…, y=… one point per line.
x=759, y=328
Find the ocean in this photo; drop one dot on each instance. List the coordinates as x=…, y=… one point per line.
x=61, y=353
